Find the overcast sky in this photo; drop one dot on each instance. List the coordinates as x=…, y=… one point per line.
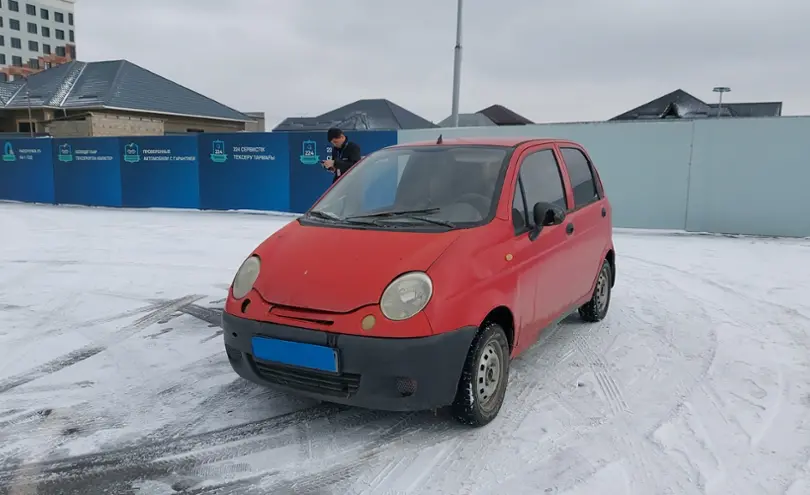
x=574, y=60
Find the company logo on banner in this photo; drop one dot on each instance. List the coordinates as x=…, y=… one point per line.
x=65, y=152
x=9, y=155
x=309, y=153
x=132, y=153
x=243, y=153
x=218, y=154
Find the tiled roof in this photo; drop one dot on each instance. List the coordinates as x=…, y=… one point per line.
x=468, y=120
x=115, y=84
x=378, y=114
x=759, y=109
x=680, y=104
x=503, y=116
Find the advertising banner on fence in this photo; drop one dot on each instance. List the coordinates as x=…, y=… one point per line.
x=244, y=171
x=87, y=171
x=308, y=179
x=26, y=170
x=160, y=171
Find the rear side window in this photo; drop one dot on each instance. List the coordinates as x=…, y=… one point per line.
x=581, y=175
x=540, y=181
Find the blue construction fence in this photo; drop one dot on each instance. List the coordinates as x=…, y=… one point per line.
x=235, y=171
x=733, y=176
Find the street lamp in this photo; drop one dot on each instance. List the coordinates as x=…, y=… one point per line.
x=457, y=66
x=721, y=90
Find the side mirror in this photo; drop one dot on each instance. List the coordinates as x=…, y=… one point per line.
x=545, y=214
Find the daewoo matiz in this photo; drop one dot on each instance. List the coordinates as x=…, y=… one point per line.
x=417, y=277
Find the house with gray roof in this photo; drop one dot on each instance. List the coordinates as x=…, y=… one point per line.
x=493, y=115
x=681, y=105
x=374, y=114
x=110, y=98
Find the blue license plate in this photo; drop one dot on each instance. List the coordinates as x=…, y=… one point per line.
x=311, y=356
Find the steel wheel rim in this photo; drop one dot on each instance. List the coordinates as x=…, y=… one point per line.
x=602, y=291
x=488, y=375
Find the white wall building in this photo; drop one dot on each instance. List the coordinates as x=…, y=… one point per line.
x=31, y=29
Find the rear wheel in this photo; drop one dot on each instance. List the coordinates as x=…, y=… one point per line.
x=482, y=386
x=596, y=309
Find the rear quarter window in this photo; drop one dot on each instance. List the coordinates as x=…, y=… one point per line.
x=583, y=181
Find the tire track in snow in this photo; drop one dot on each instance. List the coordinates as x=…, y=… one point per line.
x=153, y=458
x=88, y=351
x=611, y=392
x=466, y=463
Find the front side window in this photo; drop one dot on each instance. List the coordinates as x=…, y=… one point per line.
x=539, y=181
x=426, y=186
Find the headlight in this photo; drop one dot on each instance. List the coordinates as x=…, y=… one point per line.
x=406, y=296
x=246, y=276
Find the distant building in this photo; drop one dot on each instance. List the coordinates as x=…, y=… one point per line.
x=111, y=98
x=258, y=125
x=377, y=114
x=681, y=105
x=495, y=115
x=35, y=35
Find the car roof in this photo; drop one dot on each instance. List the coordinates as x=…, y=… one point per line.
x=485, y=141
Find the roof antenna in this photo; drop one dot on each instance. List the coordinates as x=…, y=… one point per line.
x=439, y=141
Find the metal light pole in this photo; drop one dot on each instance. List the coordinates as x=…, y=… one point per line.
x=457, y=65
x=721, y=90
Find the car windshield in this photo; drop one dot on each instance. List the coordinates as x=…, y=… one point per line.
x=441, y=186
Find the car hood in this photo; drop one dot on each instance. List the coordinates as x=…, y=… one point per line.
x=340, y=269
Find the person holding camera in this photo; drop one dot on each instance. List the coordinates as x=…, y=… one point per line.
x=344, y=153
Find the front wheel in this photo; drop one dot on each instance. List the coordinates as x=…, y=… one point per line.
x=482, y=387
x=596, y=309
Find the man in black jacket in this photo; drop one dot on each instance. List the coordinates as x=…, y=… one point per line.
x=344, y=153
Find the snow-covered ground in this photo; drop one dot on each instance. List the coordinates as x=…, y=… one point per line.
x=113, y=377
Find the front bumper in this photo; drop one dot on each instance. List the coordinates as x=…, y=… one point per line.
x=395, y=374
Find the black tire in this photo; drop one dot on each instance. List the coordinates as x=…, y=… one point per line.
x=482, y=386
x=596, y=309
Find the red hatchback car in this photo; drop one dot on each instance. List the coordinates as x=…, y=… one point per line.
x=420, y=274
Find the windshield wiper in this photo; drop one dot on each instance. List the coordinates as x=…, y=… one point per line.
x=411, y=214
x=397, y=213
x=335, y=218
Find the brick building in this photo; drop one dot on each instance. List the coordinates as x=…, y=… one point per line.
x=111, y=98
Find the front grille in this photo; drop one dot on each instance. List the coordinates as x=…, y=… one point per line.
x=342, y=385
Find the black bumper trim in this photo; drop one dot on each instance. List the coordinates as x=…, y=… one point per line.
x=374, y=371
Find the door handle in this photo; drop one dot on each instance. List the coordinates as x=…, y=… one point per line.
x=569, y=229
x=604, y=212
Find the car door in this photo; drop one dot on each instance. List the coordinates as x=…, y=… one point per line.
x=587, y=221
x=543, y=283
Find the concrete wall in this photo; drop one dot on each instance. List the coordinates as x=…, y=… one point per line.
x=736, y=176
